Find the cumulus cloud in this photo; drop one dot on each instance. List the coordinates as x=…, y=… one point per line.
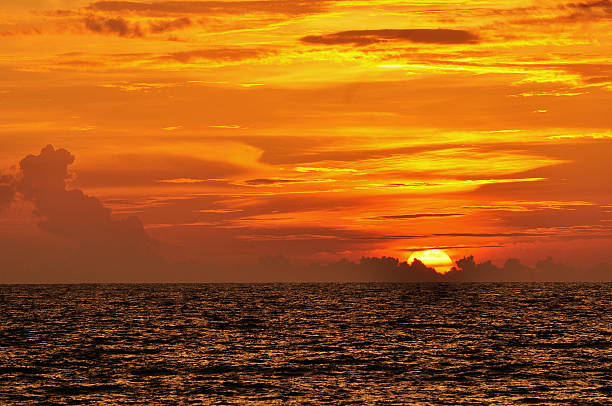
x=103, y=244
x=7, y=191
x=368, y=37
x=69, y=212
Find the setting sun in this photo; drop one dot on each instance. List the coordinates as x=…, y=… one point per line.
x=437, y=259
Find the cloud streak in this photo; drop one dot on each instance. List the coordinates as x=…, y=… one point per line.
x=218, y=54
x=289, y=7
x=591, y=6
x=369, y=37
x=415, y=216
x=170, y=25
x=114, y=26
x=121, y=27
x=267, y=182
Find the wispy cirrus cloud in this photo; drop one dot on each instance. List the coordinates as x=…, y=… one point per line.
x=218, y=54
x=290, y=7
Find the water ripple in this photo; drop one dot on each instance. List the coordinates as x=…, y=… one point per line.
x=306, y=344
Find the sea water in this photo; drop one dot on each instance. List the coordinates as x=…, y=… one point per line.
x=388, y=344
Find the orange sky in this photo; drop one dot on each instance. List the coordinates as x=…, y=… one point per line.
x=322, y=129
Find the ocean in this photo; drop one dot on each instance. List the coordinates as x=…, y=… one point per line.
x=306, y=344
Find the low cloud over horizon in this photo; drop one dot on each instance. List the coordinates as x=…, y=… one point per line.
x=105, y=249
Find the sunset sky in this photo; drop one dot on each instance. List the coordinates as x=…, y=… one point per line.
x=318, y=130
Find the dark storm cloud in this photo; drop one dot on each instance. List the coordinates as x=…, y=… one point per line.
x=367, y=37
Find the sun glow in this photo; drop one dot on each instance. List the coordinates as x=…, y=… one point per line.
x=436, y=259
